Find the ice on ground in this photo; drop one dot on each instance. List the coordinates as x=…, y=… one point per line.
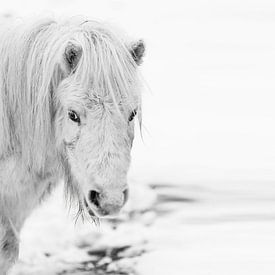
x=181, y=230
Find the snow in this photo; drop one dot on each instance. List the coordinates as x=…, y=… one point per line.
x=202, y=179
x=178, y=229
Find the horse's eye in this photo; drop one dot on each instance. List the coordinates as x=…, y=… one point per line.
x=132, y=115
x=74, y=117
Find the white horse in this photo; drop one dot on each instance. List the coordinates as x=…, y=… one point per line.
x=69, y=92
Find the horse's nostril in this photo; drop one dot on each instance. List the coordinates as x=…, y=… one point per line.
x=126, y=195
x=94, y=198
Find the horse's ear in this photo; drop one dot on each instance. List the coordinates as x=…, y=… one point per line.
x=72, y=56
x=137, y=50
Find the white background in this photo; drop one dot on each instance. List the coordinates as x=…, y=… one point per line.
x=209, y=110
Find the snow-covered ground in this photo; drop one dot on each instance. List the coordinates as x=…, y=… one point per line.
x=203, y=179
x=195, y=229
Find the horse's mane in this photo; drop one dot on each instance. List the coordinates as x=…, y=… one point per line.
x=31, y=70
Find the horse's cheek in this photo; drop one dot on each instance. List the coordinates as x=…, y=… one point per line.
x=130, y=135
x=70, y=132
x=80, y=151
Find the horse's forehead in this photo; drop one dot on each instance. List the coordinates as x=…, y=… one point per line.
x=124, y=102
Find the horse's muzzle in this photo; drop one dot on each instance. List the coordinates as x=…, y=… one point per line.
x=106, y=203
